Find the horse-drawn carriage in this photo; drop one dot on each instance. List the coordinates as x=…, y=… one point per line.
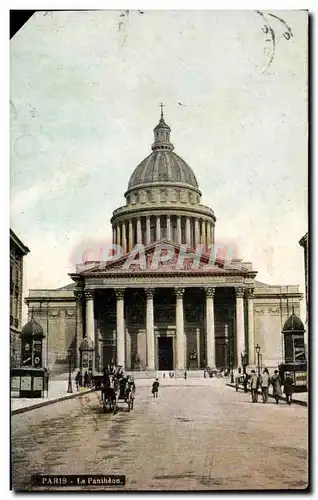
x=115, y=389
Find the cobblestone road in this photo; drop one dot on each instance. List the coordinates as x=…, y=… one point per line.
x=204, y=437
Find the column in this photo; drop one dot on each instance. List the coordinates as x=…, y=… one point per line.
x=90, y=323
x=168, y=228
x=150, y=329
x=114, y=235
x=148, y=234
x=79, y=321
x=208, y=233
x=118, y=242
x=203, y=233
x=240, y=344
x=158, y=228
x=124, y=240
x=139, y=234
x=210, y=328
x=188, y=231
x=120, y=324
x=198, y=347
x=179, y=329
x=179, y=230
x=130, y=235
x=251, y=337
x=196, y=232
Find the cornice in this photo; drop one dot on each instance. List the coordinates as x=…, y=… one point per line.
x=195, y=211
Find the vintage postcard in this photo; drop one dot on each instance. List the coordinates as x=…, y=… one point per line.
x=159, y=250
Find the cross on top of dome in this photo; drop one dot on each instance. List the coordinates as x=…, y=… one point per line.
x=161, y=106
x=162, y=134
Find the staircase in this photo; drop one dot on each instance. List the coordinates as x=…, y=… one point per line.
x=151, y=374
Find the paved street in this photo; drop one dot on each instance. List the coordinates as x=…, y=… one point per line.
x=198, y=435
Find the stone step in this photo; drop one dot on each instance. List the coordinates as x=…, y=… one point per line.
x=160, y=374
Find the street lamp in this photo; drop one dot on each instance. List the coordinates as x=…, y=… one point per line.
x=258, y=350
x=69, y=388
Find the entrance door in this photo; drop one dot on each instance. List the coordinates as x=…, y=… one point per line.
x=165, y=353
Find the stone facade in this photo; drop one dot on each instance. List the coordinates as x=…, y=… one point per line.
x=304, y=243
x=165, y=317
x=17, y=251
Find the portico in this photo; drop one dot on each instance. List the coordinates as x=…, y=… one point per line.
x=151, y=327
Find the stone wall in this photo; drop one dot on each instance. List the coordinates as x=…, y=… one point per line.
x=269, y=318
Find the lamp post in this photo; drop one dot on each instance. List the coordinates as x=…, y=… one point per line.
x=69, y=388
x=258, y=350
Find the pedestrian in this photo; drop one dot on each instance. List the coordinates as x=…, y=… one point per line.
x=185, y=375
x=90, y=378
x=78, y=380
x=155, y=388
x=86, y=379
x=288, y=387
x=254, y=386
x=265, y=384
x=245, y=381
x=276, y=383
x=237, y=378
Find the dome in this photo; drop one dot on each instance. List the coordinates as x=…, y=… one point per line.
x=32, y=329
x=163, y=166
x=293, y=323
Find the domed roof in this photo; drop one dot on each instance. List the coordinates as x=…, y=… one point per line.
x=32, y=329
x=293, y=323
x=162, y=166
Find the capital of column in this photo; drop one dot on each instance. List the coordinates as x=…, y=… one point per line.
x=209, y=292
x=239, y=292
x=149, y=293
x=89, y=294
x=119, y=292
x=250, y=293
x=79, y=295
x=179, y=292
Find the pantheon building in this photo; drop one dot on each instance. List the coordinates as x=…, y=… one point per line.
x=159, y=307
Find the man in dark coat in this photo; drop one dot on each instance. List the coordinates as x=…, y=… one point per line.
x=78, y=380
x=288, y=387
x=276, y=383
x=155, y=388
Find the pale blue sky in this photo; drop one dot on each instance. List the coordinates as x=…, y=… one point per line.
x=85, y=94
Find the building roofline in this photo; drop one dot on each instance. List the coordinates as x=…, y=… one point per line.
x=24, y=249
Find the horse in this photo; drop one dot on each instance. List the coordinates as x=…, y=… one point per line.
x=108, y=393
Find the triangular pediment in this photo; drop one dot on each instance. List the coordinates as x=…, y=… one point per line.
x=164, y=256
